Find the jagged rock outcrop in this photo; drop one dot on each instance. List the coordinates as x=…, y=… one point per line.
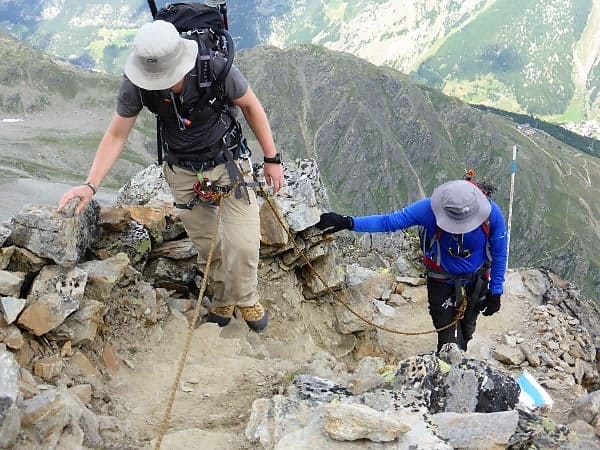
x=62, y=322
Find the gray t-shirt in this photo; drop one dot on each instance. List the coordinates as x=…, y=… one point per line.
x=202, y=133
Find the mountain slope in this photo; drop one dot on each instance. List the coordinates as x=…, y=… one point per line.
x=522, y=52
x=382, y=141
x=60, y=112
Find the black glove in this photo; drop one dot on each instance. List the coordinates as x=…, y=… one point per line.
x=331, y=222
x=491, y=304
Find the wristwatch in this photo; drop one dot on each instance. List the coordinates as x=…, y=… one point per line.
x=274, y=160
x=91, y=186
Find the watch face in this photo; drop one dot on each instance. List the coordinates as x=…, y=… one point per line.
x=275, y=159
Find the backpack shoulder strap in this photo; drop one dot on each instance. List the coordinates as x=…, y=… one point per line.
x=427, y=243
x=149, y=100
x=487, y=229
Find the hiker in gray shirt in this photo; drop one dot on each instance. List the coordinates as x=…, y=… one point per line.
x=202, y=142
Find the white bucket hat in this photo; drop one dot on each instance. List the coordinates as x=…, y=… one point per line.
x=459, y=206
x=160, y=56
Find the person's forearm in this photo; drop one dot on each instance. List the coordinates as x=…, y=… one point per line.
x=108, y=152
x=110, y=148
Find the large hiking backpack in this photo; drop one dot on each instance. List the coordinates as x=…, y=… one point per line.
x=207, y=26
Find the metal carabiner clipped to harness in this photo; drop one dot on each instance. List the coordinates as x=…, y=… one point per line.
x=203, y=187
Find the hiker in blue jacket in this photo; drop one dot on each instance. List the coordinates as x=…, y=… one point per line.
x=464, y=243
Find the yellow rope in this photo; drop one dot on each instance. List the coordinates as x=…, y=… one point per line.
x=459, y=312
x=217, y=197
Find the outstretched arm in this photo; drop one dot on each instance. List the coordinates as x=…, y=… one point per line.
x=108, y=152
x=257, y=119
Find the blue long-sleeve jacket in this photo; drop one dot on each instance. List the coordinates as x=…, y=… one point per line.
x=420, y=213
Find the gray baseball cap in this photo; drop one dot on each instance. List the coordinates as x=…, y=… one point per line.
x=160, y=56
x=459, y=206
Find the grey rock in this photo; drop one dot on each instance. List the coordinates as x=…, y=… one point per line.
x=317, y=389
x=535, y=431
x=4, y=234
x=346, y=321
x=82, y=325
x=303, y=197
x=10, y=396
x=180, y=249
x=12, y=337
x=329, y=272
x=462, y=391
x=477, y=430
x=492, y=390
x=103, y=275
x=570, y=301
x=356, y=274
x=10, y=283
x=149, y=184
x=53, y=419
x=11, y=308
x=535, y=281
x=587, y=407
x=135, y=242
x=172, y=274
x=66, y=282
x=351, y=421
x=48, y=312
x=508, y=355
x=62, y=236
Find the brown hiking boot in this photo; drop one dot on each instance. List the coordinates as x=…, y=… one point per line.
x=255, y=316
x=221, y=315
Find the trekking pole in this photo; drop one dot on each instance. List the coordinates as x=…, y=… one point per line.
x=513, y=170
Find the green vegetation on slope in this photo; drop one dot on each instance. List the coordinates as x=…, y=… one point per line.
x=582, y=143
x=382, y=141
x=526, y=45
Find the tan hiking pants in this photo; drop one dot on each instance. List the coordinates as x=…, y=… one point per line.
x=234, y=265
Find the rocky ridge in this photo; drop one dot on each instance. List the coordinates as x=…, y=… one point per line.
x=87, y=301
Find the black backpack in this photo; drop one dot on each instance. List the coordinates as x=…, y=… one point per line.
x=206, y=25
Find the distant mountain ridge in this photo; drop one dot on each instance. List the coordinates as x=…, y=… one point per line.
x=538, y=57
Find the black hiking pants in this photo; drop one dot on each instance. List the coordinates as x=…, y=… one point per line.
x=442, y=308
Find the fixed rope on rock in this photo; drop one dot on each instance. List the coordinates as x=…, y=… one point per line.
x=459, y=313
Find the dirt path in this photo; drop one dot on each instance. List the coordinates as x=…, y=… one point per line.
x=227, y=369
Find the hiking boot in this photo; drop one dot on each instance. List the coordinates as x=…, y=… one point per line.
x=221, y=315
x=255, y=316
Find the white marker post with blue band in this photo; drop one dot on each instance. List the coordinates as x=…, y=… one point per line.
x=510, y=202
